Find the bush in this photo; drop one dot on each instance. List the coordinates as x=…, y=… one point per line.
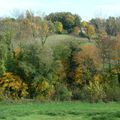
x=77, y=93
x=112, y=92
x=62, y=93
x=12, y=87
x=44, y=91
x=94, y=92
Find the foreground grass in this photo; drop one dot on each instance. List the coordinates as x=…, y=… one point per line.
x=59, y=111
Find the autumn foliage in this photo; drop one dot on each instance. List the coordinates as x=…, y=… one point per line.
x=12, y=87
x=35, y=64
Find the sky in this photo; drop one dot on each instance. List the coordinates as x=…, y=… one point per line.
x=87, y=9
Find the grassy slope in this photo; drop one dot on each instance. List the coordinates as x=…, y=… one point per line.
x=54, y=40
x=60, y=111
x=57, y=39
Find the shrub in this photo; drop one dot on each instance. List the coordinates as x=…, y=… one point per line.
x=62, y=93
x=112, y=92
x=77, y=93
x=12, y=87
x=94, y=92
x=44, y=90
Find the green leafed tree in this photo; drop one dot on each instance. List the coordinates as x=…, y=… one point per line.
x=58, y=27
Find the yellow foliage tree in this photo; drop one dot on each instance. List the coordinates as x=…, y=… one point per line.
x=96, y=91
x=44, y=90
x=87, y=29
x=12, y=86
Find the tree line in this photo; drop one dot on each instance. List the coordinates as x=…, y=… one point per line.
x=67, y=71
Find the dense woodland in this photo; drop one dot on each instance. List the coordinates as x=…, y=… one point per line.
x=85, y=66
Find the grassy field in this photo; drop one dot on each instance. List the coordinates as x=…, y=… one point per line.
x=59, y=111
x=54, y=40
x=57, y=39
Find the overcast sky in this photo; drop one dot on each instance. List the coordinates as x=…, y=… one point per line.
x=87, y=9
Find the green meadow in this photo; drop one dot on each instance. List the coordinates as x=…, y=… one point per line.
x=59, y=111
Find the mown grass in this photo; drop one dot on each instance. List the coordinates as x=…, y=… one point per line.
x=59, y=111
